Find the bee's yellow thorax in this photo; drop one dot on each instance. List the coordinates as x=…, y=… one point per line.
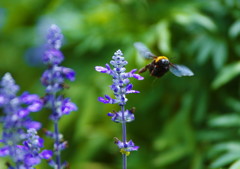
x=160, y=58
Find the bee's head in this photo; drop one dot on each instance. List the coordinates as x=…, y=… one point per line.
x=164, y=61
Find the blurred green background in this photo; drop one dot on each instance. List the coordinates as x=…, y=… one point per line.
x=181, y=123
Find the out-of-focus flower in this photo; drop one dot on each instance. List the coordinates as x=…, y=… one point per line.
x=29, y=154
x=16, y=121
x=54, y=80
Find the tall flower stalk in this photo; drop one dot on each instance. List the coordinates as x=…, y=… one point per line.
x=53, y=79
x=121, y=87
x=19, y=138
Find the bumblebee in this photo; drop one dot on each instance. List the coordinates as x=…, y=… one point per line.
x=160, y=64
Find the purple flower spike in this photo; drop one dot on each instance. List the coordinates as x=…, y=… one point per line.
x=53, y=78
x=54, y=81
x=16, y=121
x=121, y=83
x=121, y=87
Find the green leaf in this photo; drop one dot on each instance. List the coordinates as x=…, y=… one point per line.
x=205, y=50
x=171, y=156
x=219, y=54
x=225, y=159
x=233, y=103
x=226, y=75
x=234, y=30
x=235, y=165
x=164, y=37
x=229, y=120
x=204, y=21
x=217, y=149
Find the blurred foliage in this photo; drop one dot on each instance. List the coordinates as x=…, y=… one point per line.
x=183, y=123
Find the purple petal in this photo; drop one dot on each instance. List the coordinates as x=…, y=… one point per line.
x=133, y=71
x=4, y=151
x=68, y=106
x=110, y=114
x=101, y=69
x=32, y=124
x=108, y=67
x=101, y=99
x=132, y=91
x=68, y=73
x=107, y=97
x=63, y=145
x=46, y=154
x=31, y=161
x=2, y=100
x=29, y=98
x=35, y=107
x=138, y=77
x=40, y=142
x=129, y=87
x=134, y=148
x=23, y=113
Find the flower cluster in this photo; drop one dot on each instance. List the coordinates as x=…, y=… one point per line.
x=30, y=151
x=126, y=148
x=118, y=116
x=121, y=87
x=121, y=83
x=53, y=79
x=16, y=120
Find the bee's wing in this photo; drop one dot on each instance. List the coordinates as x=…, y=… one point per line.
x=143, y=50
x=180, y=70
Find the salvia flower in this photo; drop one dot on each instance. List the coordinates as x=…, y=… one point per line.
x=16, y=120
x=121, y=83
x=127, y=147
x=117, y=116
x=54, y=80
x=121, y=86
x=29, y=153
x=32, y=149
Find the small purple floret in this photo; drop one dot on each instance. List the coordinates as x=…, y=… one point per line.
x=117, y=116
x=128, y=146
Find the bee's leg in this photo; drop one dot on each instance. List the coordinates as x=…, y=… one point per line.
x=143, y=69
x=153, y=70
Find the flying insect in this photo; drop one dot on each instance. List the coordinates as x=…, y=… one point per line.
x=160, y=64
